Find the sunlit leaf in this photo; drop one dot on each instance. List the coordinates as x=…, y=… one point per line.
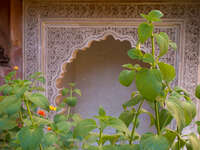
x=144, y=32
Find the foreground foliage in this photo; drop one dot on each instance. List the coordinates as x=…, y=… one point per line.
x=24, y=111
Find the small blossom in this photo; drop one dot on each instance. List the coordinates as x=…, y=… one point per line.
x=52, y=108
x=42, y=113
x=16, y=68
x=49, y=128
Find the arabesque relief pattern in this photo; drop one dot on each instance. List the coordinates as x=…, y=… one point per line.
x=60, y=42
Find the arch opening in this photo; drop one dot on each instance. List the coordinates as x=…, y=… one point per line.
x=95, y=71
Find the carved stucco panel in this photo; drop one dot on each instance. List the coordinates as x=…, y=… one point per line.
x=35, y=12
x=61, y=41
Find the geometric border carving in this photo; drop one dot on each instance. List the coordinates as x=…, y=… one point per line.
x=38, y=15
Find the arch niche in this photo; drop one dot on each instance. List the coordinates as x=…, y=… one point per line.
x=95, y=70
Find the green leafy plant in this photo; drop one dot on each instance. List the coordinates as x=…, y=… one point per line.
x=153, y=85
x=24, y=112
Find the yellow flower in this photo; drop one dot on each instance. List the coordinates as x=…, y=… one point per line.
x=52, y=108
x=16, y=68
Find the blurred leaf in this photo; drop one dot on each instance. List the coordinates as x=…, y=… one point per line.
x=118, y=124
x=71, y=101
x=127, y=117
x=173, y=45
x=78, y=91
x=49, y=139
x=197, y=91
x=154, y=143
x=102, y=111
x=170, y=136
x=41, y=79
x=65, y=91
x=194, y=141
x=30, y=138
x=63, y=126
x=7, y=123
x=84, y=127
x=38, y=99
x=10, y=105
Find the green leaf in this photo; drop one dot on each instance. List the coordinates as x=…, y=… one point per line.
x=49, y=139
x=72, y=84
x=189, y=111
x=7, y=123
x=63, y=126
x=168, y=71
x=126, y=77
x=163, y=43
x=155, y=15
x=154, y=143
x=78, y=91
x=173, y=45
x=65, y=91
x=170, y=136
x=149, y=84
x=165, y=118
x=30, y=138
x=152, y=119
x=41, y=121
x=102, y=111
x=39, y=100
x=198, y=126
x=84, y=127
x=59, y=117
x=133, y=101
x=41, y=79
x=148, y=58
x=135, y=54
x=10, y=105
x=128, y=66
x=145, y=31
x=127, y=117
x=35, y=75
x=118, y=124
x=182, y=111
x=71, y=101
x=194, y=141
x=174, y=107
x=197, y=91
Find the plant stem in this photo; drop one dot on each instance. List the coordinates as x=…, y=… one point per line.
x=135, y=122
x=100, y=138
x=30, y=115
x=29, y=112
x=179, y=142
x=68, y=112
x=153, y=50
x=157, y=117
x=41, y=147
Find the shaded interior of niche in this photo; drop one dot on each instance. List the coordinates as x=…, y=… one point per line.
x=95, y=71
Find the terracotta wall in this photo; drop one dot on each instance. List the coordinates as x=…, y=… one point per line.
x=11, y=35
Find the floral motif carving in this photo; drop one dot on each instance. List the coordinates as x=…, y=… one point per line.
x=62, y=41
